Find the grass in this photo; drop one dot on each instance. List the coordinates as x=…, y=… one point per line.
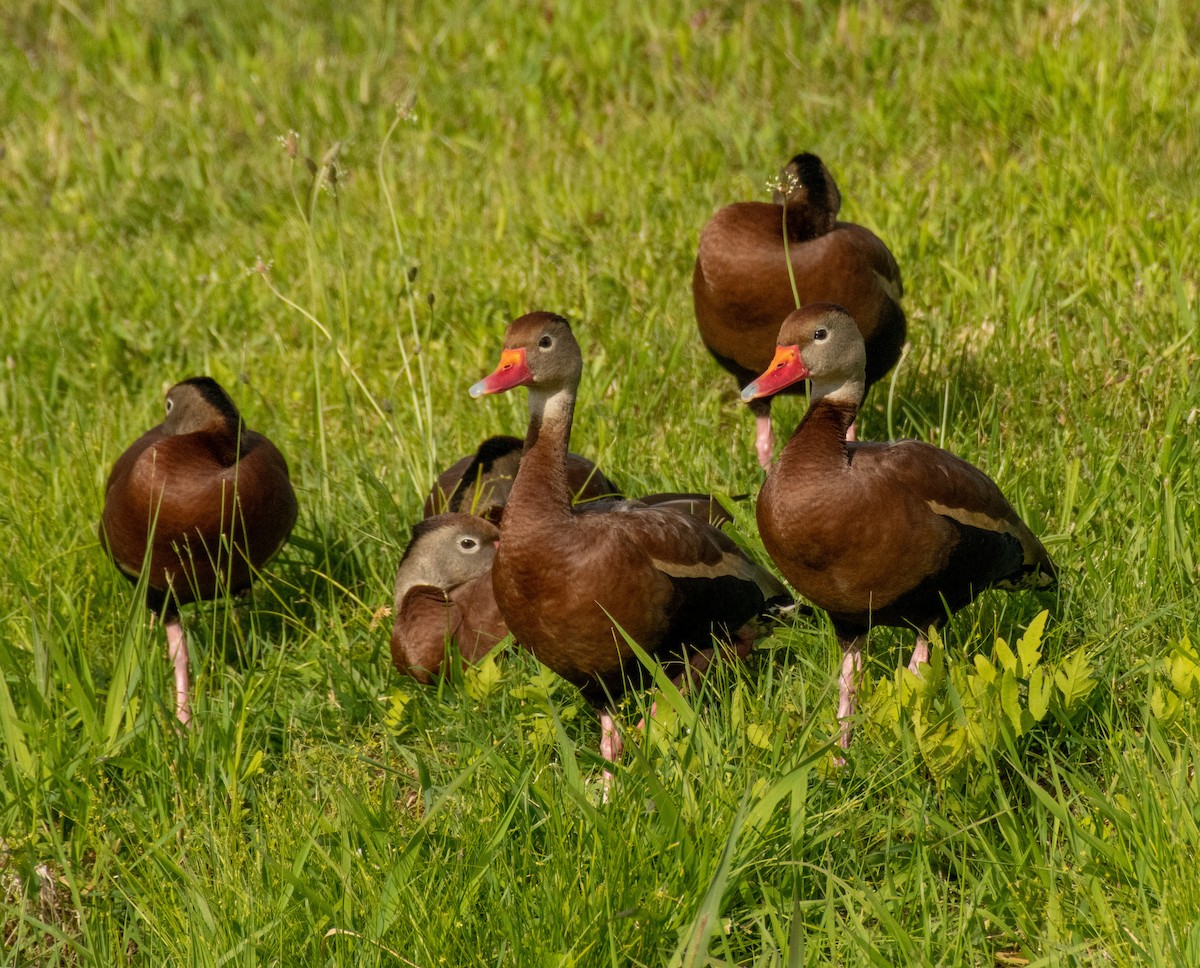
x=1030, y=166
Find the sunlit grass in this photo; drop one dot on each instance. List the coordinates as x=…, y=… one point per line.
x=1031, y=167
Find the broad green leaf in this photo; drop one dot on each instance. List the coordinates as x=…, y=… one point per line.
x=1029, y=645
x=987, y=671
x=908, y=687
x=1165, y=705
x=1041, y=690
x=1010, y=702
x=538, y=686
x=1074, y=679
x=1003, y=656
x=944, y=749
x=480, y=679
x=667, y=721
x=397, y=702
x=759, y=735
x=935, y=670
x=1184, y=671
x=541, y=734
x=979, y=689
x=884, y=709
x=983, y=723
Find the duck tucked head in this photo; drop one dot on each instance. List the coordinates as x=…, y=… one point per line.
x=447, y=550
x=805, y=183
x=818, y=342
x=540, y=352
x=197, y=404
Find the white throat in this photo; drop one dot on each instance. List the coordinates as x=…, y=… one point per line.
x=550, y=407
x=847, y=391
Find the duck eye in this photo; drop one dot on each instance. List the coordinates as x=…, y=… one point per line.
x=820, y=334
x=170, y=404
x=468, y=544
x=545, y=343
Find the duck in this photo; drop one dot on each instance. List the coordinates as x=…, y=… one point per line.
x=479, y=483
x=572, y=582
x=444, y=593
x=742, y=292
x=899, y=534
x=184, y=495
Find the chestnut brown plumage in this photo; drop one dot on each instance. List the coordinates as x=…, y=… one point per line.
x=479, y=483
x=899, y=533
x=566, y=577
x=444, y=594
x=201, y=503
x=742, y=292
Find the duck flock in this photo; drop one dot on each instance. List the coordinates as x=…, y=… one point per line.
x=529, y=539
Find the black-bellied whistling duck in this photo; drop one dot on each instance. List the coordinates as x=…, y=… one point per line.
x=899, y=533
x=479, y=483
x=444, y=593
x=742, y=291
x=203, y=502
x=565, y=577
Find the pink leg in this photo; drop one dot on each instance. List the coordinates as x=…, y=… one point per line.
x=641, y=725
x=764, y=440
x=852, y=430
x=178, y=653
x=610, y=748
x=920, y=656
x=847, y=686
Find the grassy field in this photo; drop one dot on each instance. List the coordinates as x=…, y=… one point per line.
x=1033, y=168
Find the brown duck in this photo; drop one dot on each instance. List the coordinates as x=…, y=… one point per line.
x=898, y=534
x=565, y=577
x=201, y=503
x=742, y=292
x=444, y=594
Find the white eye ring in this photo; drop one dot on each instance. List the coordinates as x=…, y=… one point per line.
x=545, y=342
x=170, y=404
x=469, y=545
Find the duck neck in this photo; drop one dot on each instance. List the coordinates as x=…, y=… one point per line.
x=805, y=222
x=541, y=484
x=227, y=442
x=821, y=436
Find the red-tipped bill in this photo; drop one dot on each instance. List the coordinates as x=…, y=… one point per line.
x=786, y=368
x=513, y=371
